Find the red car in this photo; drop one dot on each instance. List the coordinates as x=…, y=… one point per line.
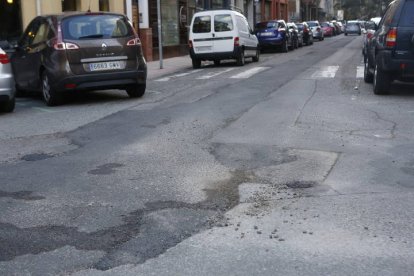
x=328, y=29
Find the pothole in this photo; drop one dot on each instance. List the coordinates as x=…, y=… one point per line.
x=301, y=184
x=36, y=156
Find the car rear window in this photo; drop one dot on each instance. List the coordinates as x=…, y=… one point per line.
x=267, y=25
x=300, y=27
x=202, y=24
x=325, y=25
x=407, y=16
x=223, y=23
x=95, y=26
x=312, y=24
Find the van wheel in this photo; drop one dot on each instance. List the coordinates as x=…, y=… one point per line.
x=217, y=62
x=382, y=82
x=8, y=106
x=241, y=59
x=136, y=91
x=50, y=95
x=257, y=56
x=196, y=63
x=368, y=76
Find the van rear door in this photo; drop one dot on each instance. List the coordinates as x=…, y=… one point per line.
x=201, y=34
x=223, y=32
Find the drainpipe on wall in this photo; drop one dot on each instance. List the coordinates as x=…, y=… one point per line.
x=129, y=9
x=38, y=7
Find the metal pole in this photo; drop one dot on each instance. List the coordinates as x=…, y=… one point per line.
x=159, y=32
x=38, y=7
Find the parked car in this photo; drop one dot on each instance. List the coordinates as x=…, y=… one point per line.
x=297, y=35
x=221, y=34
x=79, y=51
x=274, y=34
x=328, y=29
x=390, y=54
x=353, y=27
x=316, y=30
x=371, y=27
x=306, y=33
x=7, y=90
x=338, y=27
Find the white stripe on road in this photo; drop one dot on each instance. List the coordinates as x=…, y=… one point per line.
x=325, y=72
x=248, y=73
x=213, y=74
x=360, y=72
x=179, y=75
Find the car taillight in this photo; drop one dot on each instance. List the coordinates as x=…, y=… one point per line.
x=4, y=59
x=236, y=41
x=65, y=46
x=134, y=42
x=305, y=30
x=370, y=35
x=391, y=39
x=190, y=44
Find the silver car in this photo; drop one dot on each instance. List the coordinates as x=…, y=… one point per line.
x=7, y=87
x=316, y=29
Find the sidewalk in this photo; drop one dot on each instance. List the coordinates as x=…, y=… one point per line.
x=170, y=65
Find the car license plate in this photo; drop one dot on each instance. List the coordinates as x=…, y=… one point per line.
x=101, y=66
x=204, y=48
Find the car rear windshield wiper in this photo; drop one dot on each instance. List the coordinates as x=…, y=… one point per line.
x=91, y=36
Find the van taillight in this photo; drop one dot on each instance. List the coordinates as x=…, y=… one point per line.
x=65, y=46
x=391, y=39
x=4, y=59
x=236, y=41
x=134, y=42
x=190, y=44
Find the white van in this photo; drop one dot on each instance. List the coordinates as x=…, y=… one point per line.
x=221, y=34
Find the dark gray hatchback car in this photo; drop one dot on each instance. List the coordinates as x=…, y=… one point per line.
x=79, y=51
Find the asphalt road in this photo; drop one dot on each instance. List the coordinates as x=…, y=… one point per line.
x=288, y=166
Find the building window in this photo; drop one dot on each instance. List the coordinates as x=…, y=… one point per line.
x=69, y=5
x=104, y=5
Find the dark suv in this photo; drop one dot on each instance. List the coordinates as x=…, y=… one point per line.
x=79, y=51
x=390, y=52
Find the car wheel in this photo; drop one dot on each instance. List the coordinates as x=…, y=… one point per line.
x=284, y=47
x=196, y=63
x=8, y=106
x=241, y=59
x=216, y=62
x=296, y=43
x=257, y=56
x=346, y=34
x=382, y=82
x=50, y=95
x=368, y=76
x=301, y=43
x=137, y=90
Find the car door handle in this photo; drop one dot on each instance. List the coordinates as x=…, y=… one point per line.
x=214, y=35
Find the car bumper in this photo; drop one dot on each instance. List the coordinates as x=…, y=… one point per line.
x=216, y=55
x=102, y=80
x=271, y=42
x=402, y=69
x=7, y=86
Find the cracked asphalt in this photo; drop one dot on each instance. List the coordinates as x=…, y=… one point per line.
x=283, y=173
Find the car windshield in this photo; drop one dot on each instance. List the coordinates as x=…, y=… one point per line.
x=95, y=26
x=325, y=25
x=267, y=25
x=312, y=24
x=300, y=27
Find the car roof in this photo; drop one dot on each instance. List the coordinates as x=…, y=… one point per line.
x=63, y=15
x=207, y=12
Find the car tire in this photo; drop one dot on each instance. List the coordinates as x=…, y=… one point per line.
x=8, y=106
x=284, y=47
x=382, y=82
x=296, y=43
x=368, y=76
x=196, y=63
x=136, y=91
x=257, y=56
x=216, y=62
x=241, y=58
x=50, y=96
x=346, y=34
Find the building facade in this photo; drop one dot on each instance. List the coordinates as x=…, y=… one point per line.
x=176, y=17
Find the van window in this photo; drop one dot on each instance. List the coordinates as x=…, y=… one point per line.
x=223, y=23
x=407, y=16
x=202, y=24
